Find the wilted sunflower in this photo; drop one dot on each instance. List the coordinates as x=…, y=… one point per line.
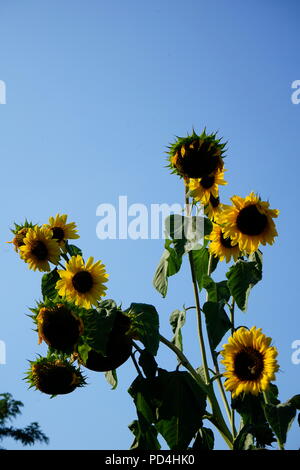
x=54, y=376
x=196, y=156
x=249, y=222
x=250, y=362
x=202, y=188
x=59, y=326
x=61, y=230
x=39, y=249
x=222, y=247
x=82, y=284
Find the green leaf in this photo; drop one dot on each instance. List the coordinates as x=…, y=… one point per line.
x=73, y=250
x=185, y=231
x=98, y=323
x=168, y=265
x=205, y=440
x=112, y=378
x=49, y=281
x=83, y=350
x=145, y=436
x=181, y=408
x=280, y=417
x=217, y=321
x=251, y=409
x=145, y=324
x=216, y=291
x=241, y=278
x=245, y=439
x=200, y=260
x=143, y=392
x=148, y=364
x=177, y=320
x=295, y=401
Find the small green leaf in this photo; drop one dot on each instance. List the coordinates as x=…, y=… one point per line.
x=217, y=321
x=145, y=324
x=83, y=350
x=73, y=250
x=280, y=417
x=216, y=291
x=49, y=281
x=241, y=278
x=145, y=436
x=112, y=378
x=200, y=260
x=205, y=440
x=177, y=320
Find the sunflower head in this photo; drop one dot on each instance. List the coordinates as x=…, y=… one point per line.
x=39, y=249
x=59, y=326
x=61, y=230
x=250, y=362
x=249, y=222
x=196, y=156
x=201, y=189
x=222, y=247
x=20, y=232
x=54, y=376
x=82, y=283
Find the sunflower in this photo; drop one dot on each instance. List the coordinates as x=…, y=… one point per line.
x=250, y=362
x=20, y=232
x=54, y=376
x=61, y=230
x=222, y=247
x=39, y=249
x=82, y=283
x=196, y=156
x=214, y=208
x=202, y=188
x=59, y=327
x=249, y=222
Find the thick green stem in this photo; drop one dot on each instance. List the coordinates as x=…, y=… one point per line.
x=217, y=417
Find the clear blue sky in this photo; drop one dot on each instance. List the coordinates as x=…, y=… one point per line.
x=95, y=92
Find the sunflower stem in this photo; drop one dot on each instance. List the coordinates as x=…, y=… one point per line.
x=217, y=417
x=197, y=299
x=231, y=308
x=229, y=411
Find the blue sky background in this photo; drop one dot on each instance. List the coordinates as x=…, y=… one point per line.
x=95, y=92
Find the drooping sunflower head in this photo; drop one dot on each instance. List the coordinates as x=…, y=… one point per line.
x=82, y=283
x=61, y=230
x=196, y=156
x=250, y=362
x=54, y=376
x=201, y=189
x=222, y=247
x=39, y=249
x=59, y=326
x=249, y=222
x=20, y=232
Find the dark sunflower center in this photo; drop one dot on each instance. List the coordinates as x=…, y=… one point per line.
x=225, y=241
x=207, y=182
x=40, y=250
x=215, y=201
x=58, y=233
x=82, y=282
x=250, y=221
x=249, y=364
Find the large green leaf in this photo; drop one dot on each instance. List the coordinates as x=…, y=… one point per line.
x=49, y=281
x=280, y=417
x=205, y=440
x=216, y=291
x=217, y=321
x=145, y=324
x=200, y=260
x=177, y=320
x=241, y=278
x=182, y=405
x=168, y=265
x=98, y=323
x=148, y=364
